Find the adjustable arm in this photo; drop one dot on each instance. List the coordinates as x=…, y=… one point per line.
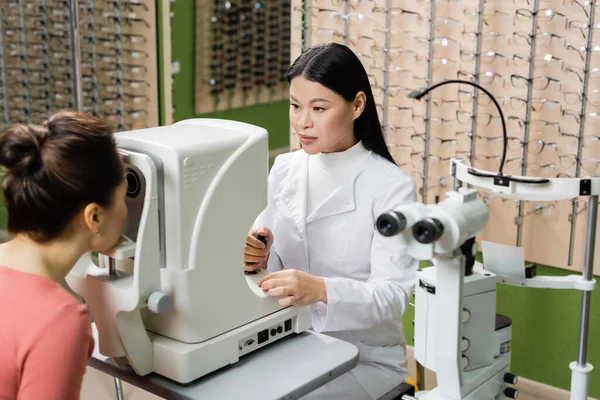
x=419, y=93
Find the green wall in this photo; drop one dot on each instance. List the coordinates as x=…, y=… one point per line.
x=273, y=117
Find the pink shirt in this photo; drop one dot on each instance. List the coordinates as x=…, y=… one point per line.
x=45, y=339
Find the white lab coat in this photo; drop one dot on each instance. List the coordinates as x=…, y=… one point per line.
x=369, y=278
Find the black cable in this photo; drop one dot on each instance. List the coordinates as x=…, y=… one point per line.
x=421, y=92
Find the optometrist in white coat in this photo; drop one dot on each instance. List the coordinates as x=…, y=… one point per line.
x=322, y=246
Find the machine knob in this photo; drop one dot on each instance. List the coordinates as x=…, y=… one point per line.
x=464, y=344
x=511, y=393
x=466, y=314
x=511, y=379
x=159, y=303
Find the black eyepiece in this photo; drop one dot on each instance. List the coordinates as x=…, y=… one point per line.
x=391, y=223
x=428, y=230
x=133, y=183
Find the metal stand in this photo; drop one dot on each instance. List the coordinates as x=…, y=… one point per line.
x=118, y=389
x=428, y=105
x=95, y=96
x=45, y=22
x=386, y=63
x=536, y=7
x=120, y=62
x=4, y=86
x=476, y=79
x=346, y=23
x=581, y=369
x=306, y=25
x=76, y=49
x=25, y=65
x=586, y=69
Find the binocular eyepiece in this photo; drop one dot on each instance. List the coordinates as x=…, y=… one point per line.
x=428, y=230
x=391, y=223
x=425, y=231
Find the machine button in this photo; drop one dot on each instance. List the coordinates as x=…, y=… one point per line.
x=187, y=162
x=464, y=362
x=159, y=303
x=466, y=314
x=511, y=379
x=511, y=393
x=464, y=344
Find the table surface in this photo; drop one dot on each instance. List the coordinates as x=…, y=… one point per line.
x=287, y=369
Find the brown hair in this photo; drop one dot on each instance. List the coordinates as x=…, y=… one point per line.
x=54, y=170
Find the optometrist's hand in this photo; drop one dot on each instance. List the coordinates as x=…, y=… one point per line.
x=256, y=253
x=298, y=288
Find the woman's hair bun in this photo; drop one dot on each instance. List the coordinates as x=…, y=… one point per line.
x=56, y=169
x=21, y=148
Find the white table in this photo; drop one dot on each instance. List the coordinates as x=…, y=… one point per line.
x=287, y=369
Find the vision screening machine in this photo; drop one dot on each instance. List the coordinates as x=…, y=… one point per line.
x=457, y=331
x=158, y=300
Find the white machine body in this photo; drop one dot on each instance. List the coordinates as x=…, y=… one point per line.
x=175, y=299
x=485, y=337
x=478, y=345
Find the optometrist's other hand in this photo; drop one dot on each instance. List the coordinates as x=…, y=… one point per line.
x=298, y=288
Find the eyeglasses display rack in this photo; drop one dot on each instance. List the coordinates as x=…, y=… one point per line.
x=540, y=59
